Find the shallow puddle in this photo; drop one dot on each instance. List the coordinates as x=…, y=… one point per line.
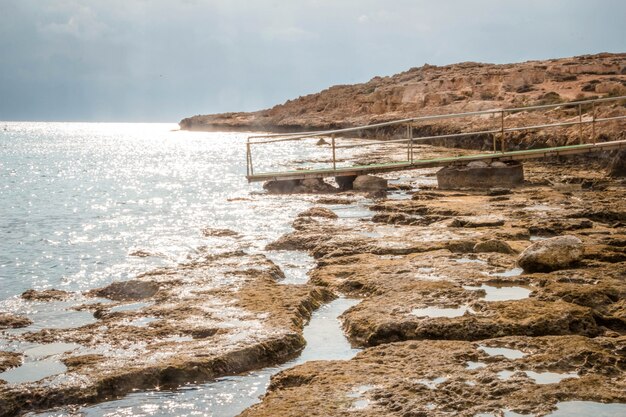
x=501, y=292
x=53, y=315
x=40, y=361
x=475, y=365
x=140, y=322
x=441, y=312
x=469, y=261
x=432, y=383
x=540, y=378
x=588, y=408
x=506, y=352
x=514, y=272
x=229, y=396
x=360, y=403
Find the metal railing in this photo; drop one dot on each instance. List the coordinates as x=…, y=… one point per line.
x=501, y=131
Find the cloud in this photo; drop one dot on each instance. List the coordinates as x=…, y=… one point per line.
x=289, y=34
x=82, y=23
x=363, y=19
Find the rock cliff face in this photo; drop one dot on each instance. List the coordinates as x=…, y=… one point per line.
x=428, y=90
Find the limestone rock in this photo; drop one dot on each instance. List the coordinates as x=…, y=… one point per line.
x=551, y=254
x=477, y=221
x=493, y=245
x=477, y=164
x=45, y=295
x=11, y=321
x=479, y=175
x=369, y=183
x=211, y=232
x=281, y=187
x=314, y=185
x=319, y=212
x=128, y=290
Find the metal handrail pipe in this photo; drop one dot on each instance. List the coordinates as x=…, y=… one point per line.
x=421, y=138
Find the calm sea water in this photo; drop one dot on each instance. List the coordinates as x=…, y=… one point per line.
x=76, y=200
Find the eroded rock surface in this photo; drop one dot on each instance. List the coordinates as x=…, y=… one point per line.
x=552, y=254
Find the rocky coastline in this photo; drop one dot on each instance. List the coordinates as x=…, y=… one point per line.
x=457, y=88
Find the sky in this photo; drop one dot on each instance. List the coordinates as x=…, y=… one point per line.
x=162, y=60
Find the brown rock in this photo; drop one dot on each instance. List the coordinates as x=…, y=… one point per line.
x=45, y=295
x=11, y=321
x=493, y=245
x=551, y=254
x=318, y=212
x=369, y=183
x=128, y=290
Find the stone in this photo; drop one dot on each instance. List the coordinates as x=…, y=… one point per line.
x=11, y=321
x=45, y=295
x=551, y=254
x=477, y=221
x=369, y=183
x=319, y=212
x=498, y=164
x=493, y=245
x=617, y=167
x=477, y=164
x=281, y=187
x=478, y=175
x=314, y=185
x=493, y=192
x=321, y=142
x=128, y=290
x=211, y=232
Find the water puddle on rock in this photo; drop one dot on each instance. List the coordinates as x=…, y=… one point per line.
x=469, y=261
x=294, y=264
x=52, y=315
x=588, y=408
x=505, y=413
x=441, y=312
x=540, y=378
x=501, y=292
x=229, y=396
x=475, y=365
x=40, y=361
x=432, y=383
x=360, y=403
x=506, y=352
x=358, y=210
x=140, y=322
x=514, y=272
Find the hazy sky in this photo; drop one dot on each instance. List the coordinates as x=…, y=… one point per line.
x=158, y=60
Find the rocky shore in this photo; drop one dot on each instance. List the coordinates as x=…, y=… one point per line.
x=493, y=301
x=472, y=301
x=430, y=90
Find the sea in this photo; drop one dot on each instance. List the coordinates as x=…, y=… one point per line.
x=78, y=201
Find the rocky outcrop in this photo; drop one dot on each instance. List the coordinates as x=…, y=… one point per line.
x=429, y=90
x=11, y=321
x=551, y=254
x=617, y=168
x=479, y=174
x=369, y=183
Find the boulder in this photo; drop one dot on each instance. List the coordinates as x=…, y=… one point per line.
x=617, y=167
x=314, y=185
x=281, y=187
x=493, y=245
x=551, y=254
x=369, y=183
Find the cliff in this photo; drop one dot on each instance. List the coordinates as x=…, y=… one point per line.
x=429, y=89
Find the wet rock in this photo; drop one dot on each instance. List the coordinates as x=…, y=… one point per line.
x=9, y=360
x=11, y=321
x=281, y=187
x=140, y=253
x=318, y=212
x=345, y=182
x=45, y=295
x=321, y=142
x=551, y=254
x=128, y=290
x=369, y=183
x=477, y=164
x=314, y=185
x=334, y=200
x=211, y=232
x=493, y=245
x=617, y=168
x=432, y=378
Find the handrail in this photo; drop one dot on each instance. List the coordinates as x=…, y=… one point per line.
x=502, y=130
x=305, y=135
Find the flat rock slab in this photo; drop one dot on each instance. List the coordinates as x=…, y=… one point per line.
x=443, y=378
x=479, y=175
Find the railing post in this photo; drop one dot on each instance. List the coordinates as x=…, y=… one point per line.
x=593, y=122
x=249, y=168
x=408, y=142
x=502, y=131
x=334, y=157
x=411, y=142
x=580, y=124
